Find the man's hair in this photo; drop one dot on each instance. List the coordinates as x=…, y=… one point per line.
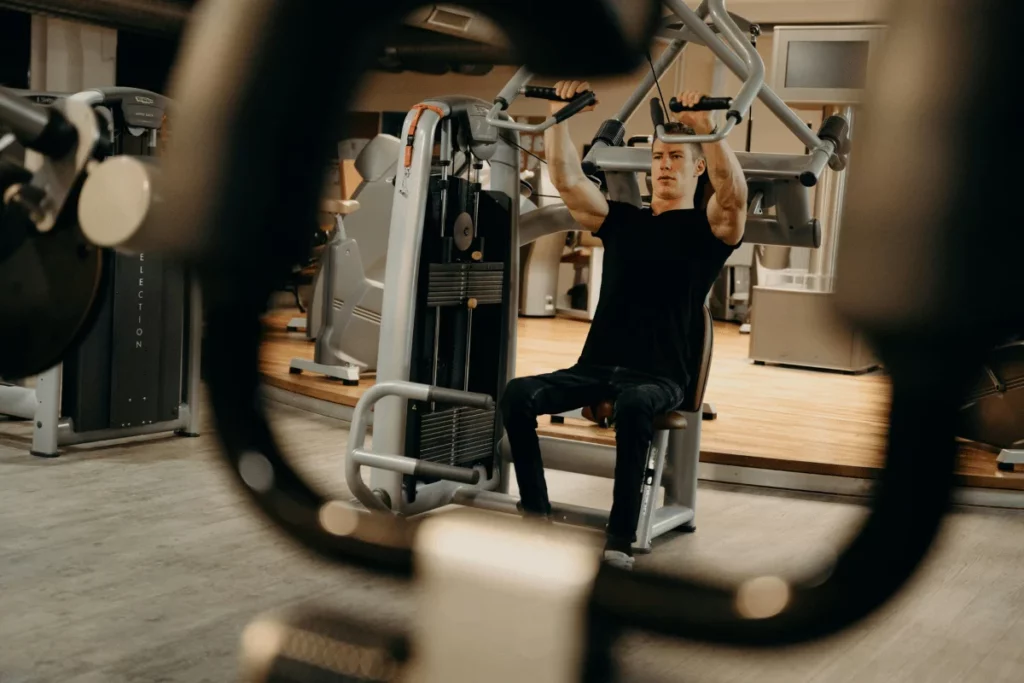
x=694, y=150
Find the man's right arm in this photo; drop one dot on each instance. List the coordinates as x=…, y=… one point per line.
x=584, y=200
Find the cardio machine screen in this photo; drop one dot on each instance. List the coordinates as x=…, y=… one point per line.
x=827, y=64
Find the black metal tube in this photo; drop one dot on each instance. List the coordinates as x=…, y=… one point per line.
x=25, y=119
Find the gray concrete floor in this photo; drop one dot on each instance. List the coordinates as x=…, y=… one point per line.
x=142, y=562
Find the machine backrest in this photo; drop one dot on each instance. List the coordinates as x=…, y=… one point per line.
x=705, y=337
x=371, y=224
x=379, y=158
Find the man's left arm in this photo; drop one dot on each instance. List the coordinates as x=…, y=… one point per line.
x=727, y=210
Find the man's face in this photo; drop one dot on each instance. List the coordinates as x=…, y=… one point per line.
x=673, y=172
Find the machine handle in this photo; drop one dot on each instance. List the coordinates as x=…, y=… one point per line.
x=576, y=105
x=518, y=85
x=460, y=398
x=836, y=129
x=658, y=119
x=409, y=466
x=541, y=92
x=705, y=104
x=460, y=475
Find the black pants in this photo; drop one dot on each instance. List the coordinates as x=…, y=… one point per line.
x=638, y=399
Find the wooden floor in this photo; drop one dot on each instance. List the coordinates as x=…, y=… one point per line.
x=768, y=417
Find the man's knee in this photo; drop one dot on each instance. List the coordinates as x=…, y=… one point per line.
x=517, y=401
x=634, y=412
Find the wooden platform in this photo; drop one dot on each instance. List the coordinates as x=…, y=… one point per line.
x=776, y=418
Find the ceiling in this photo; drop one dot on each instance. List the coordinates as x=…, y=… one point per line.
x=440, y=38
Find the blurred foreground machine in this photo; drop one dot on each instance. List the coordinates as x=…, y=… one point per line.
x=924, y=301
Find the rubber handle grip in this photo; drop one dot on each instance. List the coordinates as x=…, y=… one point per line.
x=657, y=113
x=460, y=398
x=578, y=104
x=541, y=92
x=705, y=104
x=837, y=129
x=433, y=470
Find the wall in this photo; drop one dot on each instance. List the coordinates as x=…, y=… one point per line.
x=68, y=57
x=808, y=11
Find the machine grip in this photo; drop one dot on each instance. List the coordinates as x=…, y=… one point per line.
x=578, y=104
x=705, y=104
x=837, y=129
x=433, y=470
x=541, y=92
x=460, y=398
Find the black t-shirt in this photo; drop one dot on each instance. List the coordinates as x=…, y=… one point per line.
x=656, y=275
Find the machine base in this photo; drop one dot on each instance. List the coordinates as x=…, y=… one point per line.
x=798, y=328
x=347, y=374
x=57, y=455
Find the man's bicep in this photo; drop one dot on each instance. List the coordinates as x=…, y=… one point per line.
x=587, y=205
x=727, y=224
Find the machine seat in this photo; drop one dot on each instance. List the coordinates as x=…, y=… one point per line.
x=339, y=207
x=601, y=414
x=692, y=402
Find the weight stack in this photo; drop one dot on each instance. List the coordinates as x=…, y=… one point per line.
x=461, y=313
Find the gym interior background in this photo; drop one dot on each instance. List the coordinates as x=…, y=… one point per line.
x=135, y=559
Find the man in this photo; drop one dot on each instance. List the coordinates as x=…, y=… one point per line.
x=659, y=264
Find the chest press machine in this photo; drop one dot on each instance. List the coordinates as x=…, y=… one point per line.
x=449, y=312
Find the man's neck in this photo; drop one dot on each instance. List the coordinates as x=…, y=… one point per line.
x=659, y=205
